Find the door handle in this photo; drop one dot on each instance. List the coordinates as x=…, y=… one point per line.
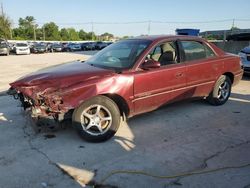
x=179, y=74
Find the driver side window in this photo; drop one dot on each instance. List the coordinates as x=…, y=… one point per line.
x=165, y=53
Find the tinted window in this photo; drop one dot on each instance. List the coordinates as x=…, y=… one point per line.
x=193, y=50
x=21, y=45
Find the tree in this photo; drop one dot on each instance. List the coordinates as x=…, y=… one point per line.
x=82, y=35
x=91, y=36
x=51, y=31
x=5, y=27
x=27, y=28
x=106, y=36
x=73, y=34
x=64, y=34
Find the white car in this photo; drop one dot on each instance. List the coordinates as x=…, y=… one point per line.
x=245, y=58
x=22, y=48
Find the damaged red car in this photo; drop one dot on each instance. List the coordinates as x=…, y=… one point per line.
x=127, y=78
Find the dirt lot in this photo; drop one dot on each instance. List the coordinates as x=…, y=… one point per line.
x=179, y=138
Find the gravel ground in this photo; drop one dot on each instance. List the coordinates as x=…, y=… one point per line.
x=182, y=137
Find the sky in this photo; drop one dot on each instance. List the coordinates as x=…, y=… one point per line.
x=80, y=13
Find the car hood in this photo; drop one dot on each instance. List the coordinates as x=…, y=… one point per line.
x=59, y=77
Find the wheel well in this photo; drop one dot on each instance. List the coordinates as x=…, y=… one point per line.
x=230, y=76
x=121, y=103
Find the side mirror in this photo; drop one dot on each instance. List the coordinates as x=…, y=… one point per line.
x=150, y=64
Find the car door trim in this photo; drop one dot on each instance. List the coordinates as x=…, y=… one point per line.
x=153, y=93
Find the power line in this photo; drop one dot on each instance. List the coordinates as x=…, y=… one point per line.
x=147, y=22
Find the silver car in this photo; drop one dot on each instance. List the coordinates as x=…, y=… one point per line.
x=245, y=58
x=4, y=49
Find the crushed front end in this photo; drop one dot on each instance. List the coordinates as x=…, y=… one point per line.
x=40, y=104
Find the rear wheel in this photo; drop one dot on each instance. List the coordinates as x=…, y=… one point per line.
x=221, y=91
x=97, y=119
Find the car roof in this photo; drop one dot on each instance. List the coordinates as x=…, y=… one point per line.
x=164, y=37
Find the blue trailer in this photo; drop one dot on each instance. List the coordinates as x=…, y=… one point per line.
x=191, y=32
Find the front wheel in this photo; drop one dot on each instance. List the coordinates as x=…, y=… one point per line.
x=97, y=119
x=221, y=91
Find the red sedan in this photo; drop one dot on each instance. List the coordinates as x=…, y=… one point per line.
x=127, y=78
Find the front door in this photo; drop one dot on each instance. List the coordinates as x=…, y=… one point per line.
x=157, y=86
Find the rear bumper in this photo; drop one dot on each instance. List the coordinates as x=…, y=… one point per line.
x=4, y=52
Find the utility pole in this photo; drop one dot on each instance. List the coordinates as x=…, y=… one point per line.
x=10, y=33
x=232, y=29
x=233, y=23
x=149, y=27
x=92, y=33
x=34, y=28
x=43, y=34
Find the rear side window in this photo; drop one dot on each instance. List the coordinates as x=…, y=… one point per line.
x=193, y=50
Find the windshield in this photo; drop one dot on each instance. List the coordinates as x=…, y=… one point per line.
x=57, y=45
x=40, y=45
x=21, y=45
x=120, y=55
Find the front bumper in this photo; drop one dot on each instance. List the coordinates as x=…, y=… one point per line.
x=40, y=107
x=22, y=52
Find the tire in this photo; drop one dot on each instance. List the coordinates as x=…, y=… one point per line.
x=221, y=91
x=97, y=119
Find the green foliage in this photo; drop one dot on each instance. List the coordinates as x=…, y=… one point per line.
x=51, y=31
x=28, y=30
x=64, y=34
x=73, y=34
x=5, y=27
x=234, y=28
x=125, y=37
x=106, y=36
x=83, y=35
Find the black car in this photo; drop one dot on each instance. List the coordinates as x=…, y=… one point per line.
x=100, y=45
x=56, y=47
x=88, y=46
x=38, y=48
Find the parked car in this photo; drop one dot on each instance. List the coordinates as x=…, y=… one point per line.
x=22, y=48
x=56, y=47
x=39, y=48
x=100, y=45
x=88, y=46
x=12, y=47
x=71, y=47
x=4, y=48
x=245, y=58
x=127, y=78
x=108, y=43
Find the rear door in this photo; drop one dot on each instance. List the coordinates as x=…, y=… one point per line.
x=201, y=65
